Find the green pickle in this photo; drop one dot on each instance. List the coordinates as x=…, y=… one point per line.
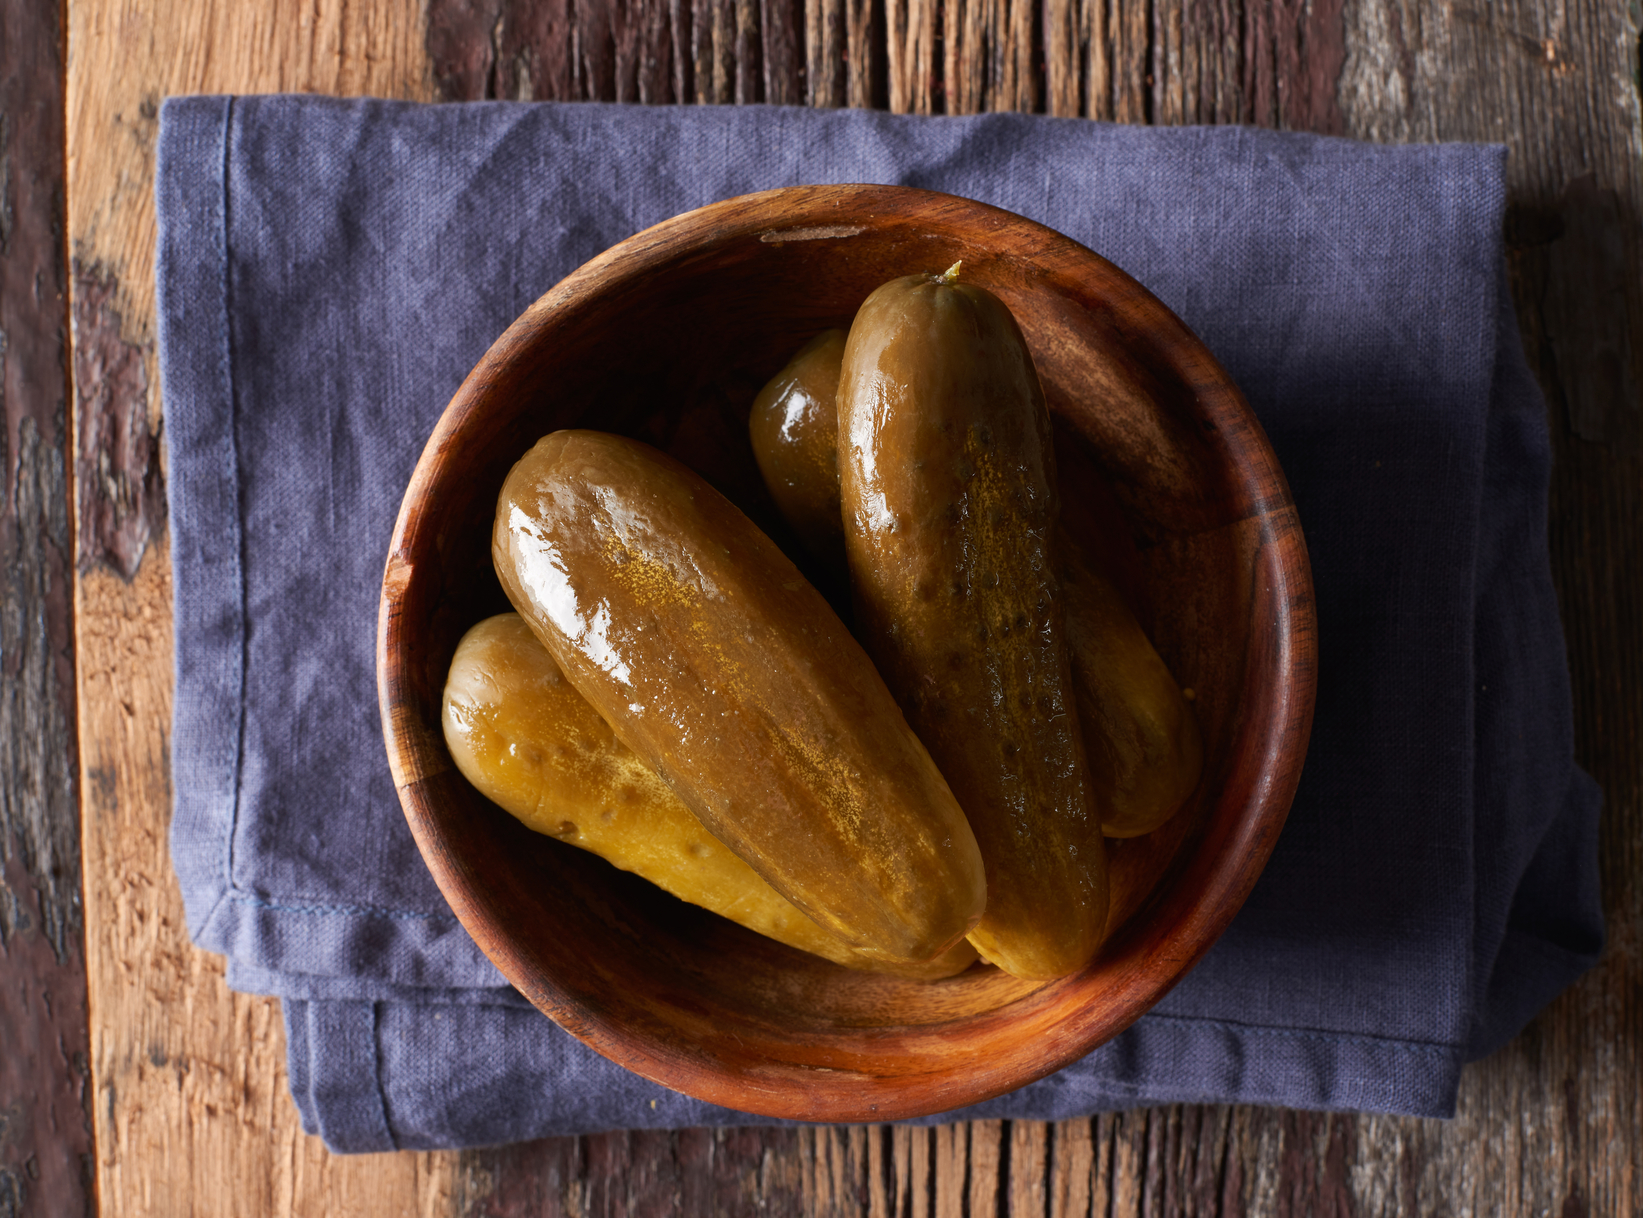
x=1141, y=739
x=947, y=483
x=728, y=675
x=534, y=746
x=795, y=434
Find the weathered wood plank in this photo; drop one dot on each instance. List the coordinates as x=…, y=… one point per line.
x=37, y=823
x=119, y=490
x=1131, y=58
x=1027, y=1178
x=979, y=1178
x=910, y=1159
x=1071, y=1169
x=910, y=53
x=1550, y=1125
x=45, y=1126
x=824, y=43
x=1093, y=55
x=1063, y=53
x=948, y=1170
x=461, y=53
x=864, y=52
x=191, y=1107
x=534, y=45
x=963, y=63
x=714, y=31
x=748, y=53
x=782, y=26
x=679, y=30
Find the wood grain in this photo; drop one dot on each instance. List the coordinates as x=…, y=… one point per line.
x=911, y=42
x=192, y=1110
x=120, y=491
x=824, y=41
x=1274, y=63
x=45, y=1127
x=191, y=1107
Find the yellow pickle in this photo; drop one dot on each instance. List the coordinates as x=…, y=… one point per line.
x=728, y=675
x=534, y=746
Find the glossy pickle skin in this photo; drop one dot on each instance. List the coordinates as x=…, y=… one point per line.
x=794, y=429
x=1141, y=740
x=1143, y=744
x=726, y=672
x=948, y=489
x=531, y=744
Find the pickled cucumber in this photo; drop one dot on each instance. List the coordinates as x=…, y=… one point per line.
x=947, y=483
x=714, y=660
x=1141, y=738
x=795, y=434
x=531, y=744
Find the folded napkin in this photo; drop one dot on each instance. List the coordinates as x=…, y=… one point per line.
x=328, y=272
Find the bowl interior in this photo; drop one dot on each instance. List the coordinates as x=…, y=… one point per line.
x=1163, y=470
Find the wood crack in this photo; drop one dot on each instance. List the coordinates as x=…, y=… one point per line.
x=121, y=490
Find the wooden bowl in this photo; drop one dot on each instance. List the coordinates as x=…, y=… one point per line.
x=667, y=337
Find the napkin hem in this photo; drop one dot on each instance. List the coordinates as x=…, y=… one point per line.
x=194, y=284
x=231, y=479
x=1187, y=1061
x=252, y=979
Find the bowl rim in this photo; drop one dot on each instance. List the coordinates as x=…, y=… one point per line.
x=1223, y=864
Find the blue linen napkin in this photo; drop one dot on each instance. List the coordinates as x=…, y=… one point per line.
x=328, y=272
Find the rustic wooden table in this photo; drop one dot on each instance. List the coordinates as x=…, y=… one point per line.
x=133, y=1081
